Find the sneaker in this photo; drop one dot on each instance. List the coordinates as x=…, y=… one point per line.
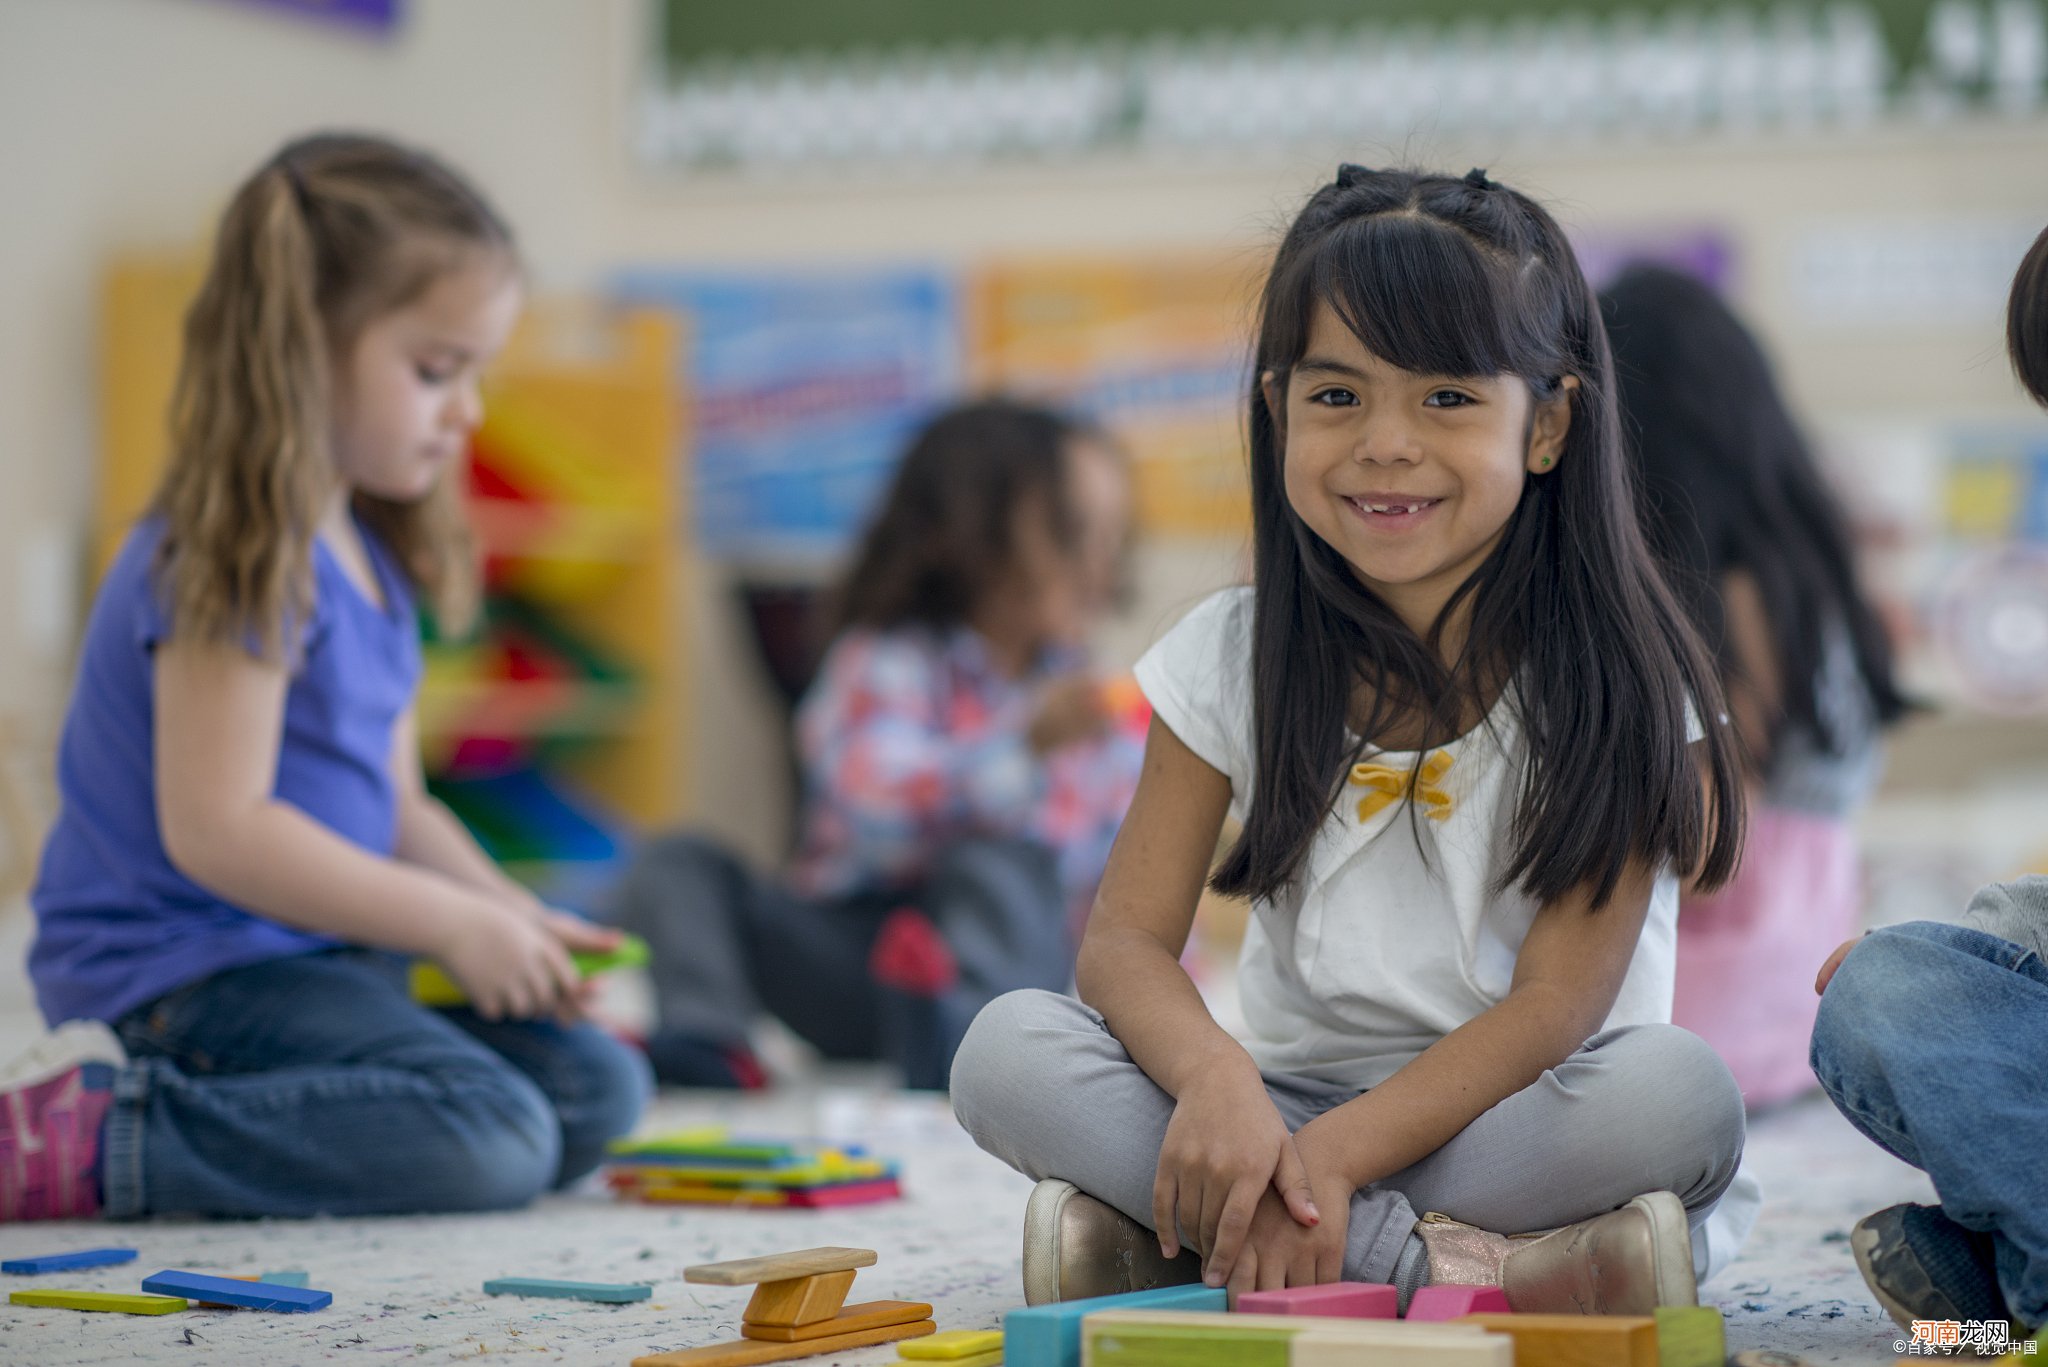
x=52, y=1102
x=1626, y=1262
x=1921, y=1265
x=1076, y=1247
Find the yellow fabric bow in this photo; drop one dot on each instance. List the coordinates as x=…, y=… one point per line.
x=1387, y=785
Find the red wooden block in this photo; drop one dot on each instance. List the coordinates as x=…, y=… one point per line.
x=1345, y=1300
x=1455, y=1302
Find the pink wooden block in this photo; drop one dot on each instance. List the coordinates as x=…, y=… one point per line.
x=1453, y=1302
x=1347, y=1300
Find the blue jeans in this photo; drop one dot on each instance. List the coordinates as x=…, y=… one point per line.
x=1933, y=1041
x=316, y=1085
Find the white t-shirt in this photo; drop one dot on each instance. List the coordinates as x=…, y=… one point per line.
x=1394, y=936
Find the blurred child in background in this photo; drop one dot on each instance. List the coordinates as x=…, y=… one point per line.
x=246, y=846
x=963, y=774
x=1759, y=552
x=1933, y=1040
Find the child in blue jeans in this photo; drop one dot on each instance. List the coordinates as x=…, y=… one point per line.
x=1933, y=1041
x=246, y=847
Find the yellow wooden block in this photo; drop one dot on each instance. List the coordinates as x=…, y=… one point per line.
x=779, y=1267
x=747, y=1353
x=799, y=1300
x=851, y=1320
x=992, y=1358
x=957, y=1344
x=1575, y=1340
x=100, y=1300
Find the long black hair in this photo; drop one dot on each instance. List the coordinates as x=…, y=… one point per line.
x=1466, y=278
x=2026, y=320
x=1727, y=483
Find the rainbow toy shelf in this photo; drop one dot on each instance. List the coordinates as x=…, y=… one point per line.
x=555, y=729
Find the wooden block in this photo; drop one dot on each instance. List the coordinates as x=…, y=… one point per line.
x=1576, y=1340
x=67, y=1262
x=1324, y=1348
x=854, y=1318
x=1120, y=1338
x=100, y=1300
x=779, y=1267
x=1436, y=1303
x=747, y=1353
x=244, y=1295
x=286, y=1278
x=992, y=1358
x=1344, y=1300
x=610, y=1293
x=798, y=1301
x=956, y=1344
x=1050, y=1335
x=1691, y=1336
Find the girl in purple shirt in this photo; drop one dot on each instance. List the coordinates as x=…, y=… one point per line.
x=246, y=853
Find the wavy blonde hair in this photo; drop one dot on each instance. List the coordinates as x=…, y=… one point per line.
x=334, y=231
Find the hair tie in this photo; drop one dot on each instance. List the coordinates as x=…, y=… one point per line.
x=1351, y=173
x=1477, y=179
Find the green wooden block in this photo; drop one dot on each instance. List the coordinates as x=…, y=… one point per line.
x=1221, y=1344
x=105, y=1301
x=1691, y=1336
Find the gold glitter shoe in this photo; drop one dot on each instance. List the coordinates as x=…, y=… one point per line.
x=1626, y=1262
x=1076, y=1247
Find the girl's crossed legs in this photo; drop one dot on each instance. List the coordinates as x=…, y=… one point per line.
x=1042, y=1084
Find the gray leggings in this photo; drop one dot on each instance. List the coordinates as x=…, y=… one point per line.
x=1042, y=1084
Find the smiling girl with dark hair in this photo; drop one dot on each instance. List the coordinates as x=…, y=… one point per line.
x=1458, y=713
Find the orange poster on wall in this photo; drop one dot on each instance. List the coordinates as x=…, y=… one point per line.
x=1156, y=347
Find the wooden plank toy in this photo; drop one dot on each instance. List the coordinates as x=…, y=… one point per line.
x=955, y=1346
x=66, y=1262
x=798, y=1301
x=243, y=1295
x=1343, y=1300
x=779, y=1267
x=100, y=1300
x=610, y=1293
x=1576, y=1340
x=749, y=1352
x=286, y=1278
x=1126, y=1338
x=1435, y=1303
x=1050, y=1335
x=853, y=1319
x=1325, y=1348
x=1691, y=1336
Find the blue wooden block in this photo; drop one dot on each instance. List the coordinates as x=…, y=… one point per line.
x=197, y=1286
x=285, y=1278
x=65, y=1262
x=612, y=1293
x=1050, y=1335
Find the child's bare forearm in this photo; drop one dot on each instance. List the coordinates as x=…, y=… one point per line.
x=1445, y=1088
x=275, y=860
x=1153, y=1009
x=430, y=836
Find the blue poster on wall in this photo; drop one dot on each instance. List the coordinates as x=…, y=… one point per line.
x=803, y=389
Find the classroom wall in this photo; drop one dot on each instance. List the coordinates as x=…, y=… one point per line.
x=124, y=123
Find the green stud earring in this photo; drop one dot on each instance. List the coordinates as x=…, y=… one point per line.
x=1546, y=462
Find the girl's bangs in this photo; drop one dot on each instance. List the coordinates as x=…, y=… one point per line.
x=1426, y=298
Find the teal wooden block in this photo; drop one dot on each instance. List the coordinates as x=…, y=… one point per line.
x=286, y=1278
x=611, y=1293
x=1050, y=1335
